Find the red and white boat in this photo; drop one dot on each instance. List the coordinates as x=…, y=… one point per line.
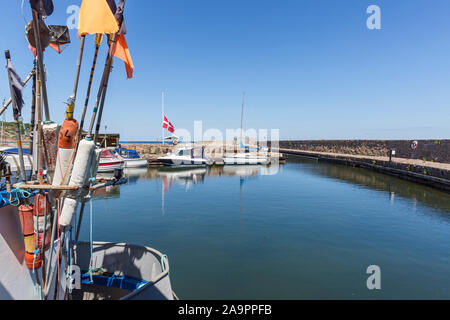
x=109, y=161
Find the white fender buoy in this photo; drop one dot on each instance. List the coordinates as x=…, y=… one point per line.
x=92, y=172
x=62, y=169
x=69, y=207
x=80, y=171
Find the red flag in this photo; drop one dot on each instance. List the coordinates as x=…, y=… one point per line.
x=122, y=52
x=167, y=125
x=51, y=45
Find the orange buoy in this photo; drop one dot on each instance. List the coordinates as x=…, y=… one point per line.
x=68, y=134
x=42, y=220
x=30, y=260
x=41, y=203
x=47, y=240
x=30, y=242
x=26, y=219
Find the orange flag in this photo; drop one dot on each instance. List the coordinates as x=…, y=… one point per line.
x=122, y=52
x=96, y=17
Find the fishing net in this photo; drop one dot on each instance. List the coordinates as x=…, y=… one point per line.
x=59, y=37
x=44, y=34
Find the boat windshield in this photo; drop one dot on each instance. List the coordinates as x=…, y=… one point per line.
x=129, y=154
x=184, y=152
x=107, y=154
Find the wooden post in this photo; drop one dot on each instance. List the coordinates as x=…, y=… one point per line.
x=39, y=129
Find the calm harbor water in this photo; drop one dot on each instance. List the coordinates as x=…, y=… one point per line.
x=309, y=231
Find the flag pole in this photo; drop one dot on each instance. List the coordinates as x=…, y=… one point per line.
x=105, y=76
x=40, y=59
x=242, y=116
x=16, y=121
x=33, y=135
x=73, y=97
x=162, y=116
x=103, y=86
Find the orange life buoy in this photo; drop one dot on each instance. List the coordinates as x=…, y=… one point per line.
x=26, y=219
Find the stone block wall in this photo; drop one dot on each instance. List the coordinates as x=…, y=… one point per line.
x=428, y=150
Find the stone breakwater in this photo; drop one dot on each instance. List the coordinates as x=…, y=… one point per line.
x=426, y=150
x=423, y=161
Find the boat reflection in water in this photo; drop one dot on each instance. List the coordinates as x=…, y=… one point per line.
x=186, y=178
x=364, y=178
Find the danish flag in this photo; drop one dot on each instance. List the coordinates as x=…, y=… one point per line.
x=167, y=125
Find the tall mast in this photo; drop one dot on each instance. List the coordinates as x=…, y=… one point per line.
x=242, y=115
x=162, y=116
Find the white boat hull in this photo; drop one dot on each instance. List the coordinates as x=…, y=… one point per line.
x=14, y=162
x=245, y=159
x=109, y=166
x=135, y=163
x=183, y=161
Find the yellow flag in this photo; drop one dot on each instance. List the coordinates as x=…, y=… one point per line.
x=96, y=17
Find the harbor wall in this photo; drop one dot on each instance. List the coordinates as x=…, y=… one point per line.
x=426, y=150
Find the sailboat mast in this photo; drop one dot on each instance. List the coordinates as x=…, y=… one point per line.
x=242, y=115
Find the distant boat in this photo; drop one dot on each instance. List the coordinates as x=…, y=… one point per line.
x=245, y=159
x=185, y=157
x=131, y=158
x=12, y=157
x=109, y=161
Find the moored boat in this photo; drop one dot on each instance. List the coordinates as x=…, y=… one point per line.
x=12, y=157
x=245, y=159
x=185, y=157
x=109, y=161
x=131, y=158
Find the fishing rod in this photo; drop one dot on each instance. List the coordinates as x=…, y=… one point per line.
x=101, y=95
x=103, y=84
x=98, y=41
x=105, y=89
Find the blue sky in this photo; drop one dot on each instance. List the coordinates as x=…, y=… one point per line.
x=309, y=67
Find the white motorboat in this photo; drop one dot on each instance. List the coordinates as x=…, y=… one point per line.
x=185, y=157
x=245, y=159
x=131, y=158
x=109, y=161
